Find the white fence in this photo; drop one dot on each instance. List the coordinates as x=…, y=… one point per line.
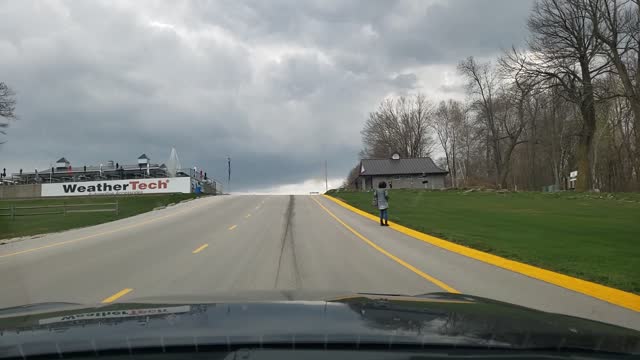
x=61, y=209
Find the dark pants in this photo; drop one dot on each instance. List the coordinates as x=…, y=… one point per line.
x=384, y=215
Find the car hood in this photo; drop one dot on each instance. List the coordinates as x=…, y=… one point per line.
x=290, y=318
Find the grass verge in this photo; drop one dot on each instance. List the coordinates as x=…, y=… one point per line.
x=594, y=237
x=39, y=224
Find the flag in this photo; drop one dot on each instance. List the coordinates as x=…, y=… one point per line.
x=69, y=170
x=229, y=168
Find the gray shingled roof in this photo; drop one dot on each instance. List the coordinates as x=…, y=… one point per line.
x=399, y=167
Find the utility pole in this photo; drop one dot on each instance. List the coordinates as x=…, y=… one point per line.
x=228, y=174
x=326, y=181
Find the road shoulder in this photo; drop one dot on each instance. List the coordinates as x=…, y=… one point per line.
x=33, y=243
x=601, y=292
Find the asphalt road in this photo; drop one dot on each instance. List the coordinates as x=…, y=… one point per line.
x=235, y=244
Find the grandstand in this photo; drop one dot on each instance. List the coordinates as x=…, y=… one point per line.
x=63, y=172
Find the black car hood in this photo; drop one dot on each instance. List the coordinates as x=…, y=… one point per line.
x=437, y=319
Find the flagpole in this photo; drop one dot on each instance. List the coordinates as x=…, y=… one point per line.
x=228, y=175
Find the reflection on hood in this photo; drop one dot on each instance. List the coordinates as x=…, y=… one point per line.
x=436, y=319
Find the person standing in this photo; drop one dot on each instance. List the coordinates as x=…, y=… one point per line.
x=381, y=199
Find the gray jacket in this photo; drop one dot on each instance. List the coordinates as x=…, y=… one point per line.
x=381, y=196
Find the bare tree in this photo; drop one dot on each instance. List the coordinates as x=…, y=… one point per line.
x=617, y=24
x=565, y=52
x=519, y=109
x=448, y=122
x=558, y=125
x=468, y=149
x=616, y=161
x=352, y=177
x=501, y=105
x=7, y=107
x=399, y=125
x=482, y=84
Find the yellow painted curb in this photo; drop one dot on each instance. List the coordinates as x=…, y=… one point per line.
x=611, y=295
x=388, y=254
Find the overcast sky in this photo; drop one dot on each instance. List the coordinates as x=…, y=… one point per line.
x=280, y=86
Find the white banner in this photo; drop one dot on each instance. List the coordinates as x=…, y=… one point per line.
x=119, y=187
x=110, y=314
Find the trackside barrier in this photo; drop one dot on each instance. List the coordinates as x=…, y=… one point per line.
x=63, y=209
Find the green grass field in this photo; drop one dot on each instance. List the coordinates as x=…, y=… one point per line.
x=38, y=224
x=594, y=237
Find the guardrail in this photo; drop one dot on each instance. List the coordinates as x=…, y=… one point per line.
x=63, y=209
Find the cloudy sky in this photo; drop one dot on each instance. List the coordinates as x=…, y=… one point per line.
x=280, y=86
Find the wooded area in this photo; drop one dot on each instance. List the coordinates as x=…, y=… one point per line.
x=568, y=101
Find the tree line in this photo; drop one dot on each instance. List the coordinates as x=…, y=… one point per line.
x=569, y=100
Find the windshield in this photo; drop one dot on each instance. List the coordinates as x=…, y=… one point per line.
x=484, y=154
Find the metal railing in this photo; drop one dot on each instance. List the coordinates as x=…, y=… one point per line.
x=62, y=209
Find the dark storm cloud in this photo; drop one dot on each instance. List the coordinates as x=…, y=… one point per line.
x=449, y=31
x=280, y=86
x=396, y=32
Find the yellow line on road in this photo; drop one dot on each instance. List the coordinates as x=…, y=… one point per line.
x=233, y=227
x=604, y=293
x=102, y=233
x=388, y=254
x=200, y=248
x=117, y=295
